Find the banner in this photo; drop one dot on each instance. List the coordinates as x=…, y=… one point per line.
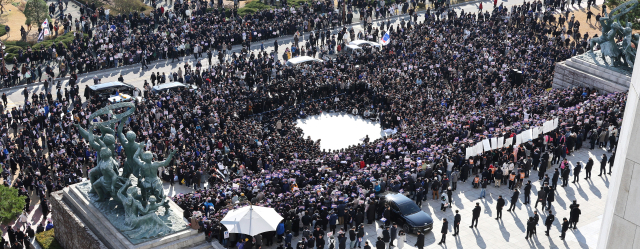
x=500, y=142
x=485, y=145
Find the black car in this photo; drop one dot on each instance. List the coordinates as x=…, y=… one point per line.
x=406, y=213
x=104, y=91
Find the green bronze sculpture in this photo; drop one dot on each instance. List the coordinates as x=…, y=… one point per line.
x=140, y=202
x=151, y=185
x=620, y=54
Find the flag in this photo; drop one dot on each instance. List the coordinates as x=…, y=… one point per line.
x=45, y=24
x=385, y=39
x=41, y=36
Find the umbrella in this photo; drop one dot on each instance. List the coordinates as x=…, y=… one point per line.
x=251, y=220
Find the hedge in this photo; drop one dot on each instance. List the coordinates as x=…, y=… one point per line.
x=2, y=30
x=47, y=240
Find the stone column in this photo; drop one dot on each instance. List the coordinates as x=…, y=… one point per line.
x=621, y=219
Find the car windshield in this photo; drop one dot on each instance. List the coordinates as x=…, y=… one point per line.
x=409, y=208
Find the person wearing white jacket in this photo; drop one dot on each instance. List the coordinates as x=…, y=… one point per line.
x=444, y=201
x=402, y=237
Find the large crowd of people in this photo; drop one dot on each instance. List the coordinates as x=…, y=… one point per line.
x=443, y=84
x=102, y=41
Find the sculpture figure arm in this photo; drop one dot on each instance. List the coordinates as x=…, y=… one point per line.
x=125, y=199
x=136, y=156
x=123, y=139
x=107, y=130
x=141, y=209
x=165, y=162
x=89, y=136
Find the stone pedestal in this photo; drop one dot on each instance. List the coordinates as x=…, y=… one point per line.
x=588, y=70
x=80, y=225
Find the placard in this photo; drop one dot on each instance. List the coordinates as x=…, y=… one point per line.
x=485, y=145
x=508, y=142
x=527, y=135
x=494, y=143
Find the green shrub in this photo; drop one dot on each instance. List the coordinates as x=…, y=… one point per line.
x=12, y=49
x=47, y=240
x=11, y=204
x=256, y=4
x=2, y=30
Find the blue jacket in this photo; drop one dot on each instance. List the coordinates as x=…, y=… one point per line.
x=333, y=219
x=280, y=229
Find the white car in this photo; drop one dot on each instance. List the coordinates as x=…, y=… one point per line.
x=361, y=43
x=301, y=60
x=171, y=86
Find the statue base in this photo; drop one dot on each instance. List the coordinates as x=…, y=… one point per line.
x=590, y=70
x=80, y=224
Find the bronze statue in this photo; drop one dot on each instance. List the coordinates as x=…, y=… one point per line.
x=140, y=202
x=620, y=54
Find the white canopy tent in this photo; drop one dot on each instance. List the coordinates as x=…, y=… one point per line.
x=251, y=220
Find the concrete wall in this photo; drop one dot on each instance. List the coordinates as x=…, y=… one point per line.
x=71, y=231
x=621, y=219
x=579, y=73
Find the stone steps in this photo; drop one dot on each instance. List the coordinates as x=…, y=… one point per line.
x=195, y=241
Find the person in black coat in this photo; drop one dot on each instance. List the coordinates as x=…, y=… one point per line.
x=371, y=212
x=514, y=200
x=527, y=192
x=574, y=216
x=550, y=197
x=380, y=244
x=565, y=176
x=576, y=172
x=393, y=232
x=476, y=214
x=386, y=236
x=499, y=205
x=320, y=242
x=387, y=215
x=419, y=242
x=444, y=230
x=456, y=223
x=542, y=198
x=530, y=226
x=587, y=169
x=549, y=221
x=565, y=227
x=603, y=164
x=342, y=241
x=554, y=179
